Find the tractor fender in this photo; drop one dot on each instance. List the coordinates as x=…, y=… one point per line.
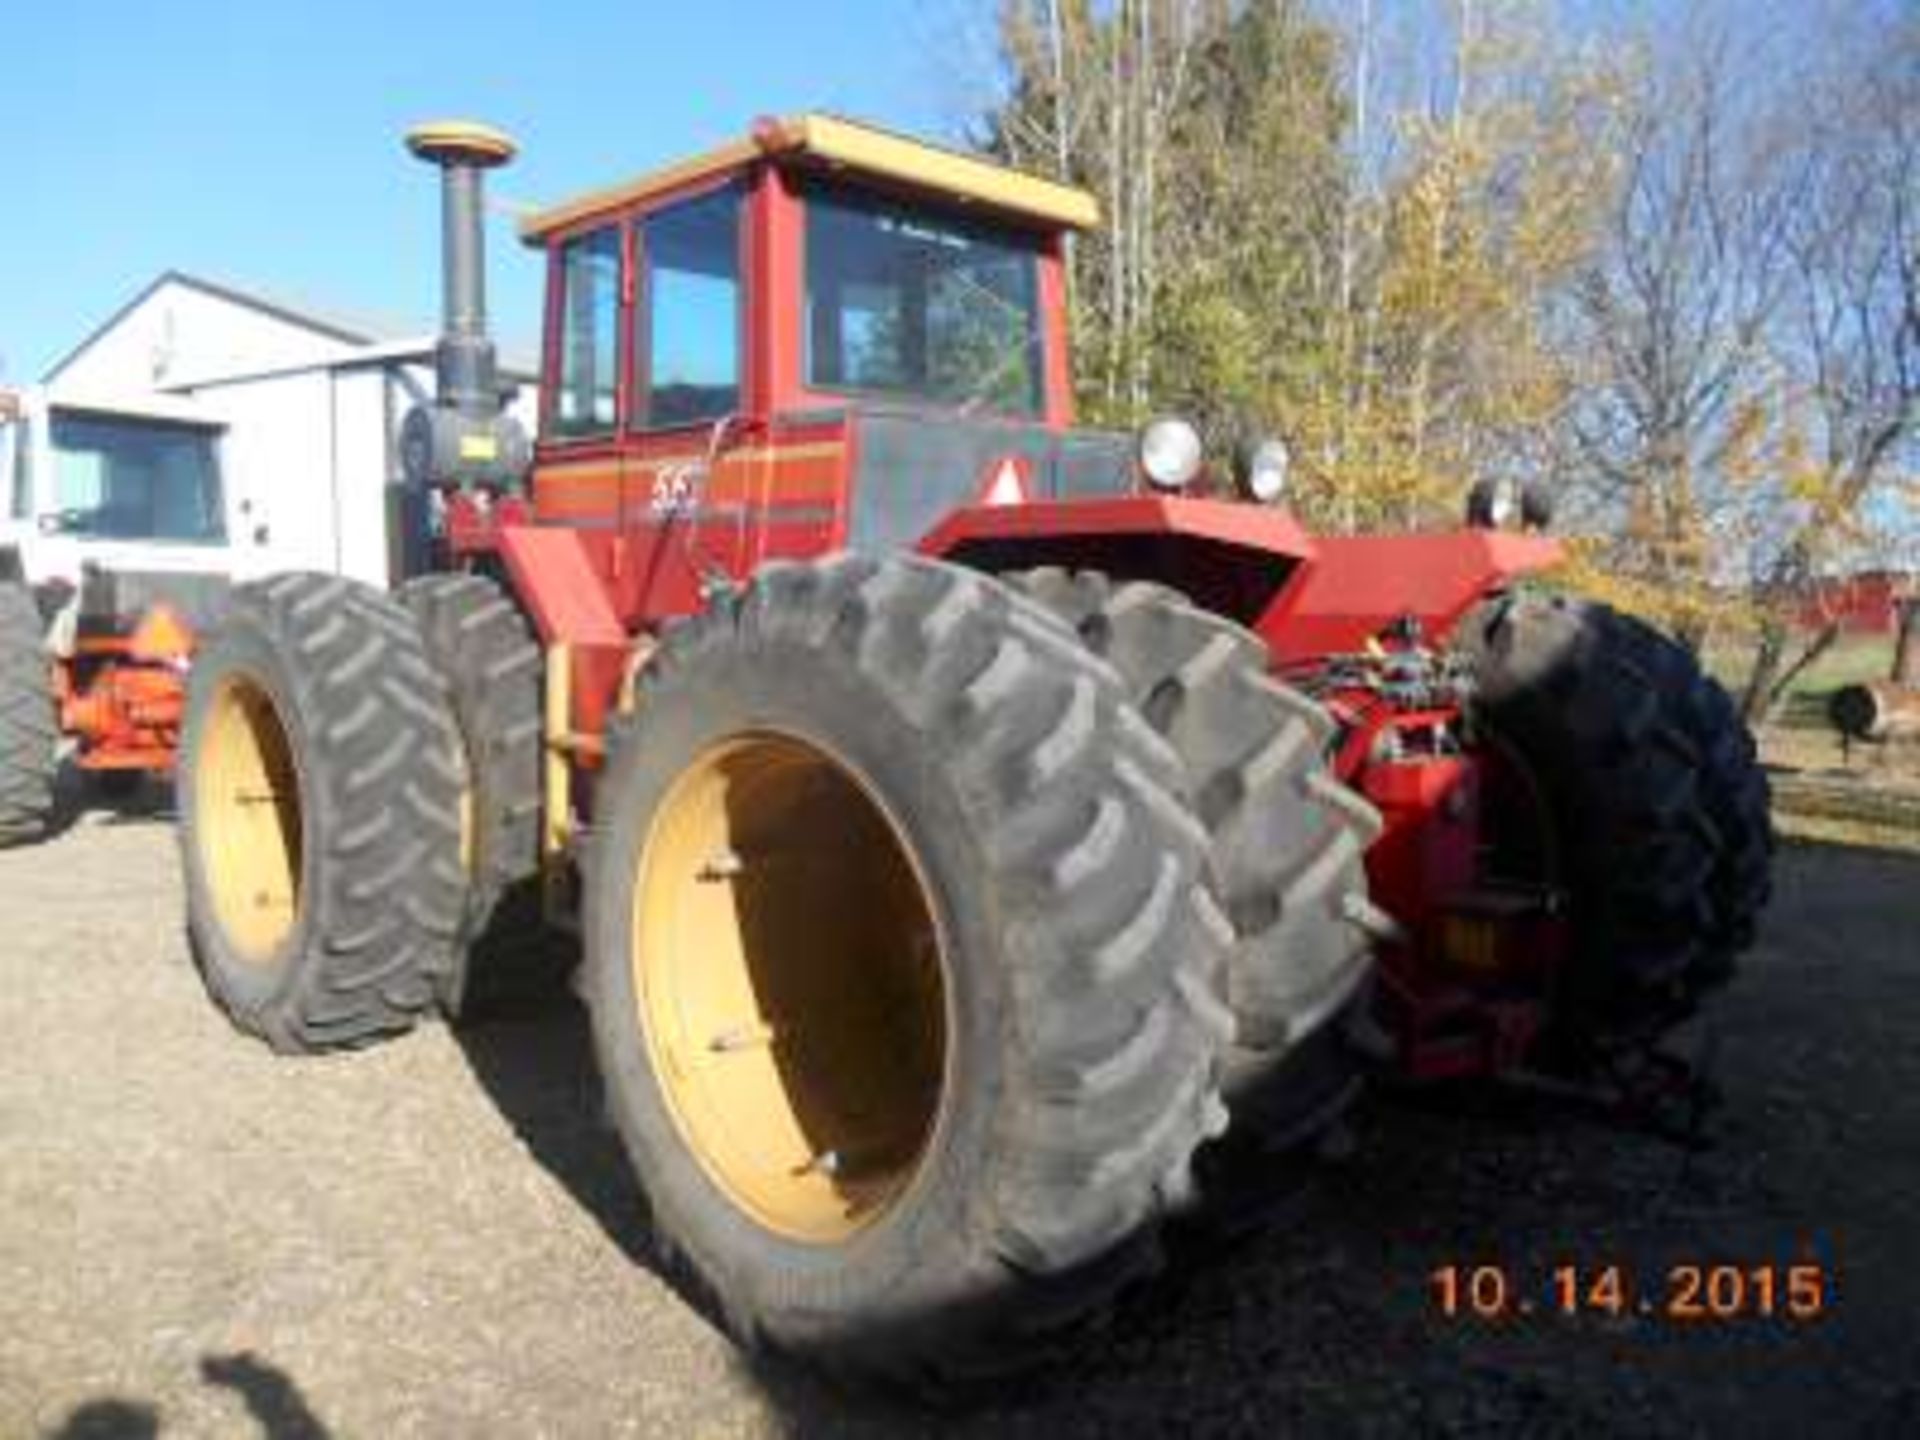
x=1357, y=585
x=1233, y=559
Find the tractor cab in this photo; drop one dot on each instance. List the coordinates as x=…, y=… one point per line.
x=822, y=336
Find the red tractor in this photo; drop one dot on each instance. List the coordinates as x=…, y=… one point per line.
x=985, y=846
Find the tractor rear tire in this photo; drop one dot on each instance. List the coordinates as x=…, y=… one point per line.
x=1733, y=789
x=320, y=816
x=486, y=653
x=1286, y=843
x=906, y=983
x=29, y=732
x=1658, y=809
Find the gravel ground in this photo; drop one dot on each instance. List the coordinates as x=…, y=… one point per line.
x=437, y=1237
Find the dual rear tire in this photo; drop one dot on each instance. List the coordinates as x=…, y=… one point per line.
x=29, y=734
x=906, y=974
x=360, y=808
x=320, y=823
x=1286, y=844
x=1653, y=801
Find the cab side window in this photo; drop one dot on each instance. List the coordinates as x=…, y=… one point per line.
x=688, y=335
x=583, y=402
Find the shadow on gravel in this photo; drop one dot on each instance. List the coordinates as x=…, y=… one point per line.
x=271, y=1398
x=132, y=800
x=109, y=1419
x=535, y=1062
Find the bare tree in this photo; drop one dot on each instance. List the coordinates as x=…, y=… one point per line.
x=1852, y=254
x=1675, y=321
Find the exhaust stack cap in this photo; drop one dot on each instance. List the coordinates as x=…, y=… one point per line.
x=461, y=142
x=463, y=437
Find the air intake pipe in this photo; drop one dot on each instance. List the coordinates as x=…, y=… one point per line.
x=464, y=438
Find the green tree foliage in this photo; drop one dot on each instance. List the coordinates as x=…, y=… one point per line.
x=1271, y=263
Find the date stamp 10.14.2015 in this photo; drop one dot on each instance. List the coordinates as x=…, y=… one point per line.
x=1689, y=1293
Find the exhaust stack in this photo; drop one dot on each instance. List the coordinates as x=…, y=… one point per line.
x=464, y=438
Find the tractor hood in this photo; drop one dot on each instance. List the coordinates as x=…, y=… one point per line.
x=915, y=468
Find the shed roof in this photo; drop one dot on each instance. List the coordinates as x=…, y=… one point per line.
x=376, y=337
x=831, y=143
x=333, y=324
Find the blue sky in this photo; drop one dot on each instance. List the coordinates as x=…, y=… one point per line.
x=259, y=143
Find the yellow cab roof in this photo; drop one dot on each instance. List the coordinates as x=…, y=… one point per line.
x=831, y=144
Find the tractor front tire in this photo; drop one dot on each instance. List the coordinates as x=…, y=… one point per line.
x=486, y=653
x=1657, y=809
x=907, y=985
x=29, y=733
x=320, y=816
x=1286, y=842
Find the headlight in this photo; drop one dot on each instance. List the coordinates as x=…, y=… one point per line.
x=1170, y=453
x=1264, y=471
x=1536, y=505
x=1493, y=504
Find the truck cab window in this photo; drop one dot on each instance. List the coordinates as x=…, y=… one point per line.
x=121, y=479
x=690, y=356
x=583, y=402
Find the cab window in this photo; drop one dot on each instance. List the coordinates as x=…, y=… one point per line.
x=122, y=479
x=583, y=401
x=688, y=338
x=907, y=300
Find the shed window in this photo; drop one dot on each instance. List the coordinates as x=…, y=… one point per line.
x=589, y=324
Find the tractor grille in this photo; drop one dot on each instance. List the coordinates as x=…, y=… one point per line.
x=915, y=468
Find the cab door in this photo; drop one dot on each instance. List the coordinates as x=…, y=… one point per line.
x=689, y=475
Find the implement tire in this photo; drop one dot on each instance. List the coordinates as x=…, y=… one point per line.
x=486, y=653
x=320, y=816
x=1657, y=805
x=906, y=983
x=29, y=732
x=1286, y=843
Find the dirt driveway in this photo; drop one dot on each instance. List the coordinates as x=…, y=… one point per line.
x=437, y=1238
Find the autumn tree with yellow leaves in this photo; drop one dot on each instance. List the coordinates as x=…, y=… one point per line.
x=1277, y=257
x=1432, y=241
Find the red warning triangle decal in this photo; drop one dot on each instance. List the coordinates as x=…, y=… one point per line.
x=1008, y=481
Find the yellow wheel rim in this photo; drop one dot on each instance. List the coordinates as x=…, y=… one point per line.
x=247, y=817
x=790, y=979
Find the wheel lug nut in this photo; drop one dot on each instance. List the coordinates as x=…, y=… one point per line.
x=741, y=1037
x=722, y=866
